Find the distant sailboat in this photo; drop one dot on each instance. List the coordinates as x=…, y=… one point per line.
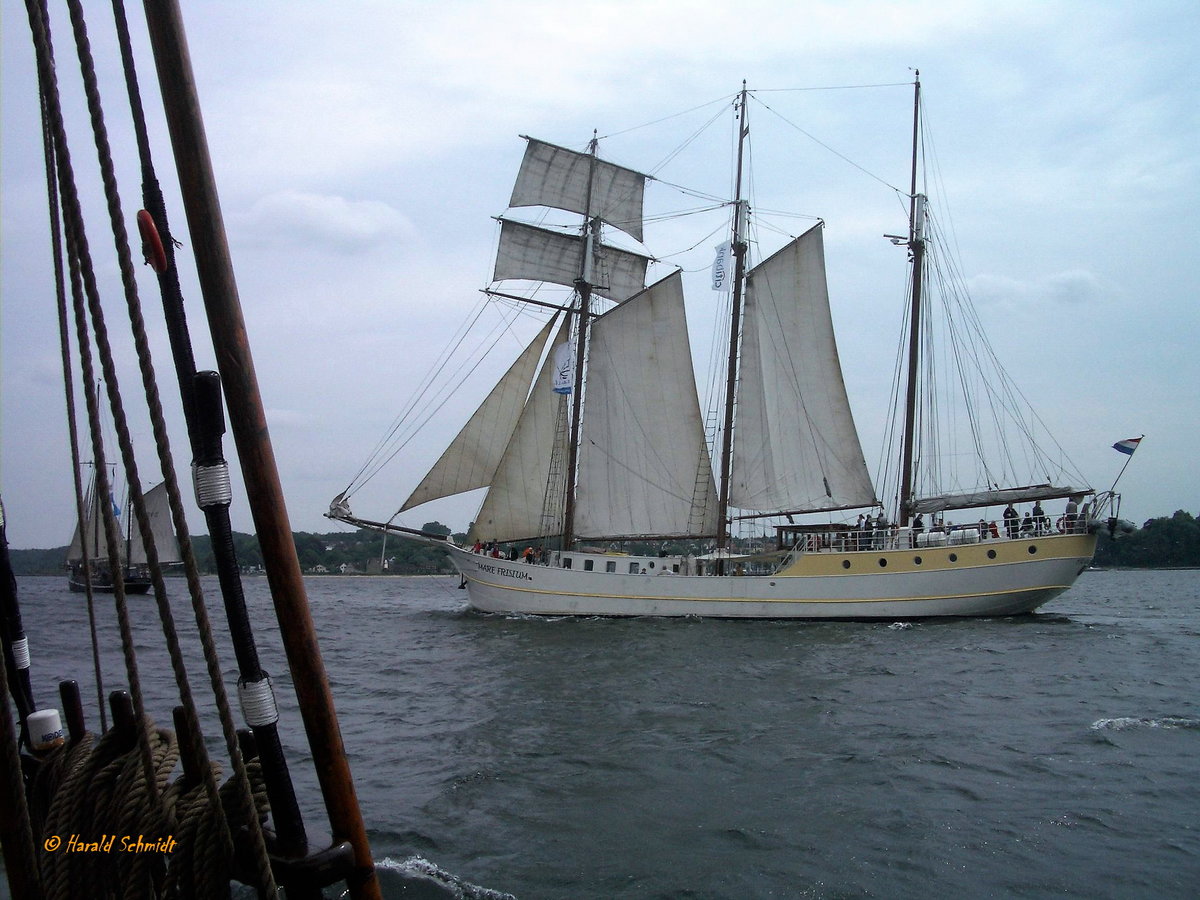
x=88, y=551
x=607, y=445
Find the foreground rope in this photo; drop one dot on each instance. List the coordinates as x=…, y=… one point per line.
x=102, y=798
x=90, y=803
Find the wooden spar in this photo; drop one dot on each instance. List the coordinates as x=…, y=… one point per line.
x=543, y=303
x=916, y=244
x=739, y=274
x=249, y=426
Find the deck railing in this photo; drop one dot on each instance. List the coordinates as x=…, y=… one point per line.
x=892, y=537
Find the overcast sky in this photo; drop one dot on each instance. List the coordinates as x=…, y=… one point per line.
x=361, y=149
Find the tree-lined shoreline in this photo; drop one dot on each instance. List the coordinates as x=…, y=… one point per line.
x=1168, y=542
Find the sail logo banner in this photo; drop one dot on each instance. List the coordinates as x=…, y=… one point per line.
x=564, y=369
x=721, y=268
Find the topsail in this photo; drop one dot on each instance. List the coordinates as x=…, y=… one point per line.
x=580, y=183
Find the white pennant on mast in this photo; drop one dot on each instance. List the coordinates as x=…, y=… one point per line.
x=722, y=267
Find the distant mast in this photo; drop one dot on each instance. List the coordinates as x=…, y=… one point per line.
x=916, y=246
x=739, y=275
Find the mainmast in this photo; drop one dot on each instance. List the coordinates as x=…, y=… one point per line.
x=739, y=270
x=583, y=286
x=916, y=246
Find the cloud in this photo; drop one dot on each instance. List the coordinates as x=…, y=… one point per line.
x=298, y=218
x=1070, y=288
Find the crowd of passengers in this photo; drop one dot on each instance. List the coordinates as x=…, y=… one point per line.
x=876, y=533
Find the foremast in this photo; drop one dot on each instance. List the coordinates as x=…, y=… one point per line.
x=583, y=291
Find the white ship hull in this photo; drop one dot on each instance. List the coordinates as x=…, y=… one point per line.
x=988, y=579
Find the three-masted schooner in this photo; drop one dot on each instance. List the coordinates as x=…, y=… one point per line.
x=88, y=559
x=607, y=444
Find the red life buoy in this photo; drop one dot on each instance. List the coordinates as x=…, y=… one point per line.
x=152, y=246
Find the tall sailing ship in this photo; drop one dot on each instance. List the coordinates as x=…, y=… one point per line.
x=88, y=558
x=604, y=452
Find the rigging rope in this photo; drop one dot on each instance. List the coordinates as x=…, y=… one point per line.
x=69, y=388
x=155, y=762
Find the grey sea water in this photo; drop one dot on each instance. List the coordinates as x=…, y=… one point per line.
x=1051, y=755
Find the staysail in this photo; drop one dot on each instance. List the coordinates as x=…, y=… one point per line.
x=644, y=467
x=513, y=507
x=473, y=456
x=90, y=532
x=796, y=448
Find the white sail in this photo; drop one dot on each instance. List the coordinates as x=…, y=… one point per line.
x=558, y=177
x=158, y=510
x=644, y=466
x=472, y=457
x=89, y=532
x=513, y=507
x=795, y=444
x=539, y=254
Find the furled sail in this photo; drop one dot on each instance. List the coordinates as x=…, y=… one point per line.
x=513, y=507
x=473, y=456
x=977, y=499
x=158, y=510
x=644, y=465
x=540, y=254
x=558, y=177
x=795, y=445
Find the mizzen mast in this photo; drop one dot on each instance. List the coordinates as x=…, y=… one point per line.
x=916, y=246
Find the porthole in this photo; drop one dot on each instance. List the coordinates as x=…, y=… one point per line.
x=991, y=554
x=953, y=557
x=1032, y=549
x=917, y=560
x=845, y=563
x=882, y=563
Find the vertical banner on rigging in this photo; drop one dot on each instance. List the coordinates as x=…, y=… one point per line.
x=564, y=369
x=721, y=269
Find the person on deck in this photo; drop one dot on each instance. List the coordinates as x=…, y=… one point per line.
x=1010, y=521
x=1072, y=514
x=1041, y=521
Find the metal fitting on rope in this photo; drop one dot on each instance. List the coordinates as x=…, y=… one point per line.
x=258, y=702
x=20, y=653
x=212, y=484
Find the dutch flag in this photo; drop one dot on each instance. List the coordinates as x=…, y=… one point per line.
x=1127, y=446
